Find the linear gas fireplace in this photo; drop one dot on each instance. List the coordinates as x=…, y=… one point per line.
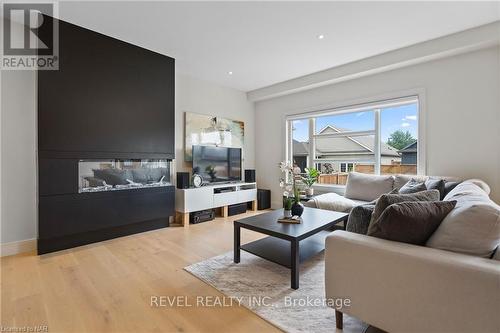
x=116, y=175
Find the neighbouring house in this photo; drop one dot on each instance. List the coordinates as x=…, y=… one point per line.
x=300, y=154
x=409, y=154
x=342, y=153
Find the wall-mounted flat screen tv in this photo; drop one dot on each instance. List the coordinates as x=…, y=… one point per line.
x=217, y=164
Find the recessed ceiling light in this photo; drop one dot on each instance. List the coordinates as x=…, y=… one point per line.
x=321, y=36
x=230, y=73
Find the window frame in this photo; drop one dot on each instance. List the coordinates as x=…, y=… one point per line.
x=375, y=105
x=346, y=164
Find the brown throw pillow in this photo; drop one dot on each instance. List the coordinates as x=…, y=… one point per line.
x=386, y=200
x=411, y=222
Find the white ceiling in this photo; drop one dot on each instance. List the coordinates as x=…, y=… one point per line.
x=266, y=43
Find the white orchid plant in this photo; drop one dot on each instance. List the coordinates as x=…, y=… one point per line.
x=287, y=183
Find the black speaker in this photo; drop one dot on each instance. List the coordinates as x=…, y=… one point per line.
x=201, y=216
x=263, y=199
x=236, y=209
x=250, y=176
x=182, y=179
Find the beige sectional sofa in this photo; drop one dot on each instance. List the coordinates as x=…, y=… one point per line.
x=450, y=285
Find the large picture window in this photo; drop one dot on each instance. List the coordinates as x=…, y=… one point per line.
x=375, y=138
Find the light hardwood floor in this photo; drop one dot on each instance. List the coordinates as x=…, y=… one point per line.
x=107, y=286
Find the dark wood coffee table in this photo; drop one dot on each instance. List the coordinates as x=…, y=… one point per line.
x=288, y=244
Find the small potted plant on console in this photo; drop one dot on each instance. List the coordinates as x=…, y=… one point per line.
x=310, y=179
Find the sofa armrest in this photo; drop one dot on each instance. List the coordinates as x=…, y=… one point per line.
x=402, y=288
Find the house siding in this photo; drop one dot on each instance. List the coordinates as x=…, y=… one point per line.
x=408, y=158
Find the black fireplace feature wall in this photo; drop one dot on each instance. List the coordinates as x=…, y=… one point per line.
x=105, y=141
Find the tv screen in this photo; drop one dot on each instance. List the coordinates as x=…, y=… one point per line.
x=217, y=164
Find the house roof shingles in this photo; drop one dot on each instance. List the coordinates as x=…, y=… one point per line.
x=411, y=148
x=343, y=145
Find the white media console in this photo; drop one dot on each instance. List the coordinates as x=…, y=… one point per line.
x=213, y=196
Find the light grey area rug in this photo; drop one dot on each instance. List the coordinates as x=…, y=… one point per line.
x=256, y=280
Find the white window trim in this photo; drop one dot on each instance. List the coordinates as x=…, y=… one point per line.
x=374, y=103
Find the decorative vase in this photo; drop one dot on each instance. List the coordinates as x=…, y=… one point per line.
x=297, y=209
x=288, y=213
x=309, y=191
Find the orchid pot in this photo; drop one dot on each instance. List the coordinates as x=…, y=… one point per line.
x=297, y=209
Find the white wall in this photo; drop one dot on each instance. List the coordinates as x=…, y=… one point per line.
x=18, y=133
x=193, y=95
x=462, y=109
x=462, y=106
x=18, y=168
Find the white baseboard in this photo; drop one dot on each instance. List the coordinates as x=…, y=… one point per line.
x=9, y=249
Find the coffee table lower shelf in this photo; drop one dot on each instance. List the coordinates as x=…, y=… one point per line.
x=279, y=250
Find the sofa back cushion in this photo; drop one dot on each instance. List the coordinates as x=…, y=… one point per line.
x=473, y=227
x=481, y=184
x=401, y=180
x=468, y=192
x=367, y=187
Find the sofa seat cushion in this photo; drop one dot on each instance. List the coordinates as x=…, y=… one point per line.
x=410, y=222
x=363, y=202
x=331, y=201
x=473, y=227
x=367, y=187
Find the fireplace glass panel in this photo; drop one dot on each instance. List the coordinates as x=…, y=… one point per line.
x=113, y=174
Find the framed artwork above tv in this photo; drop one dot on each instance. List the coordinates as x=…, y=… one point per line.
x=206, y=130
